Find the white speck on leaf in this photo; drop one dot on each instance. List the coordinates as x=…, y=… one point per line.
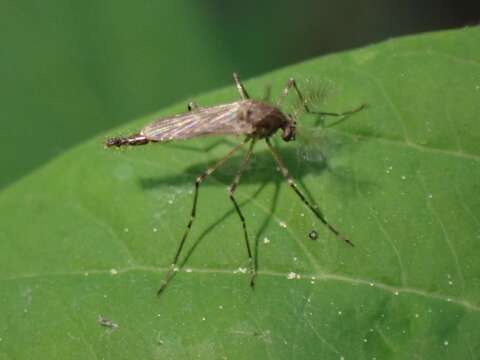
x=291, y=275
x=103, y=321
x=113, y=272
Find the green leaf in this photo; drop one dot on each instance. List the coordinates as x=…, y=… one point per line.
x=72, y=69
x=93, y=232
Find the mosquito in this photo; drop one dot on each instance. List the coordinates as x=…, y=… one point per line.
x=256, y=120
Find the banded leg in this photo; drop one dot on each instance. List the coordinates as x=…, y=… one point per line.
x=198, y=181
x=292, y=83
x=231, y=191
x=292, y=184
x=240, y=87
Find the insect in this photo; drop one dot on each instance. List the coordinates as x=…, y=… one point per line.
x=256, y=120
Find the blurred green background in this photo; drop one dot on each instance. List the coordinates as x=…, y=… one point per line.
x=72, y=69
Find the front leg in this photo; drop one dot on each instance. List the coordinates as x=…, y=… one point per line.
x=292, y=83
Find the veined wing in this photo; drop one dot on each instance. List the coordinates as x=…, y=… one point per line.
x=215, y=120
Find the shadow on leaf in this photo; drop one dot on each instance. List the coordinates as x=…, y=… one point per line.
x=262, y=170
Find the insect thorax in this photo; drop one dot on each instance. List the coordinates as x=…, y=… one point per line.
x=265, y=118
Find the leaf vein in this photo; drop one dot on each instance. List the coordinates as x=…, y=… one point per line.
x=319, y=277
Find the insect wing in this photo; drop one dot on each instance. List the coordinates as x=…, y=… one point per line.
x=312, y=144
x=215, y=120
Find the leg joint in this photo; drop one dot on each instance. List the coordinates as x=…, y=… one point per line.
x=231, y=189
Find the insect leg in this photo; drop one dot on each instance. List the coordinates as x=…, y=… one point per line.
x=231, y=191
x=192, y=106
x=240, y=87
x=292, y=83
x=198, y=181
x=292, y=184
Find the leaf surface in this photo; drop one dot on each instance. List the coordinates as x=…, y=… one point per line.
x=92, y=233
